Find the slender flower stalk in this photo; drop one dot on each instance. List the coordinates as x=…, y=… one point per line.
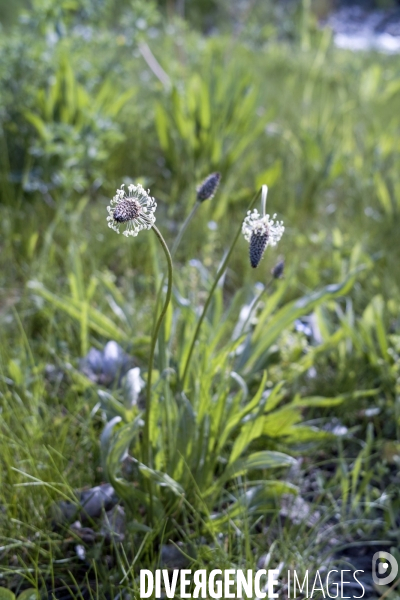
x=253, y=305
x=220, y=272
x=147, y=454
x=205, y=191
x=277, y=273
x=136, y=211
x=183, y=228
x=174, y=249
x=156, y=330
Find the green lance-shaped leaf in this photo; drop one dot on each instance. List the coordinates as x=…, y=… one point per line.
x=95, y=319
x=114, y=447
x=247, y=433
x=255, y=500
x=29, y=594
x=265, y=334
x=266, y=459
x=6, y=594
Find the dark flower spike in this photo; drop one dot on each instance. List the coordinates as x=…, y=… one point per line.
x=277, y=270
x=207, y=189
x=261, y=231
x=258, y=243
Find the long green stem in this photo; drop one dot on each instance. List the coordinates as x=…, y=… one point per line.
x=147, y=451
x=183, y=228
x=221, y=271
x=253, y=306
x=173, y=251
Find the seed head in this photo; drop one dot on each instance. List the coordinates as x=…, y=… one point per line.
x=258, y=243
x=277, y=270
x=126, y=210
x=136, y=209
x=207, y=189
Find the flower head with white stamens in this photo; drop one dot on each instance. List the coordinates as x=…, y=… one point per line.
x=261, y=231
x=136, y=209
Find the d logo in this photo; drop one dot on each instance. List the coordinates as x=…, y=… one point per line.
x=381, y=574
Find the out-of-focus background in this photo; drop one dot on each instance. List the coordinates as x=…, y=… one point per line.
x=301, y=95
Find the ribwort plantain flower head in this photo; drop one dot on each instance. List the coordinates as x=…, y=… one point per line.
x=135, y=209
x=207, y=189
x=260, y=232
x=278, y=269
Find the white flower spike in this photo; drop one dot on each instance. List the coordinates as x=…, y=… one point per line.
x=261, y=231
x=136, y=209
